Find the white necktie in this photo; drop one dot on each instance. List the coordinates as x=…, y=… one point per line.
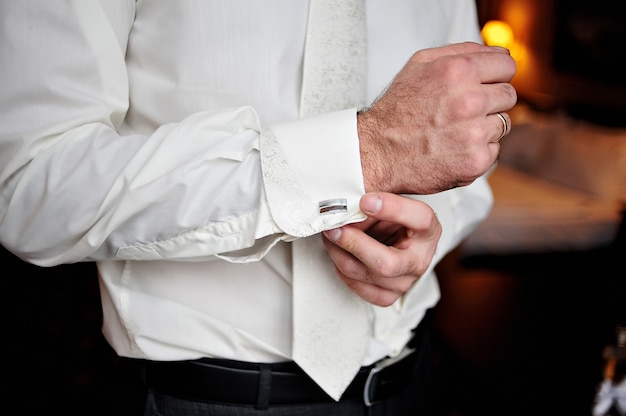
x=331, y=327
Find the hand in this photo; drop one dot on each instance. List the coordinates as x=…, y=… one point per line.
x=380, y=258
x=436, y=126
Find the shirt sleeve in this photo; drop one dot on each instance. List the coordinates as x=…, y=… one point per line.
x=76, y=186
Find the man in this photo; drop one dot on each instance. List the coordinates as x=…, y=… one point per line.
x=173, y=143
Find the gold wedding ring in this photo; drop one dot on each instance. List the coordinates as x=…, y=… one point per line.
x=505, y=126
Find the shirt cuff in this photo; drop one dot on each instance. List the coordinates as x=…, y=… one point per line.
x=308, y=161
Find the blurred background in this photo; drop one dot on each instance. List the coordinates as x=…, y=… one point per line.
x=534, y=296
x=530, y=300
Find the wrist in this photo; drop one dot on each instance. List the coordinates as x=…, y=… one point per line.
x=375, y=169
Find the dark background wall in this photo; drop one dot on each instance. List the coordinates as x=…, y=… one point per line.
x=56, y=359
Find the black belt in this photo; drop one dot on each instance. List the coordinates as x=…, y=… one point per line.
x=262, y=385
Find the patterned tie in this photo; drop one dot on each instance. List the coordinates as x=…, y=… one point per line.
x=331, y=328
x=335, y=60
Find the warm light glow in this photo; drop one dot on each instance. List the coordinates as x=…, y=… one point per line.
x=500, y=33
x=497, y=33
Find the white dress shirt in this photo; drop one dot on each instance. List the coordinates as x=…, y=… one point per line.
x=161, y=139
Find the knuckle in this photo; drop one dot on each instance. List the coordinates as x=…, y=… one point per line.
x=384, y=267
x=435, y=225
x=439, y=229
x=418, y=266
x=477, y=165
x=484, y=161
x=455, y=67
x=422, y=55
x=427, y=221
x=468, y=104
x=511, y=93
x=350, y=267
x=476, y=133
x=512, y=65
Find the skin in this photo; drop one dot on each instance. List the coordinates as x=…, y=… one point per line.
x=380, y=258
x=434, y=128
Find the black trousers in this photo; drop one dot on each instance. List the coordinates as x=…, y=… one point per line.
x=411, y=399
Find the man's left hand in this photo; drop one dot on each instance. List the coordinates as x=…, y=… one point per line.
x=380, y=258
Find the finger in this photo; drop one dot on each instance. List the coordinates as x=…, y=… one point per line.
x=406, y=212
x=495, y=67
x=359, y=256
x=494, y=153
x=385, y=232
x=371, y=293
x=503, y=125
x=486, y=63
x=378, y=290
x=411, y=252
x=484, y=67
x=500, y=97
x=430, y=54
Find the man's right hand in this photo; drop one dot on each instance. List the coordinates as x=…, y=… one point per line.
x=436, y=126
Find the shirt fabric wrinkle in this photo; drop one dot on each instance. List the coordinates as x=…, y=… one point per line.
x=199, y=263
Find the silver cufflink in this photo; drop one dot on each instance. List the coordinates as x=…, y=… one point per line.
x=333, y=206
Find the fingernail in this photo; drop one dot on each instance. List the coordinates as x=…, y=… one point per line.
x=371, y=203
x=502, y=48
x=334, y=234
